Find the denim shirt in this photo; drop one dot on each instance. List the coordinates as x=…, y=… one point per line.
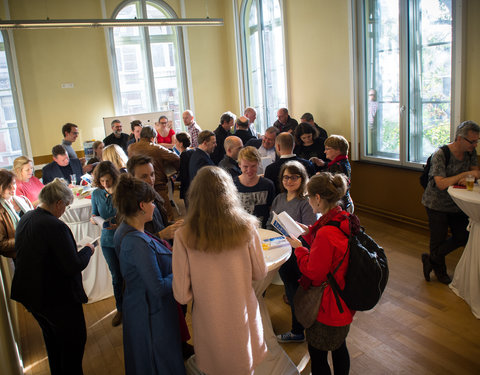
x=102, y=206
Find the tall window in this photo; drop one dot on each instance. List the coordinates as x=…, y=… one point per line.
x=10, y=135
x=149, y=62
x=406, y=71
x=264, y=62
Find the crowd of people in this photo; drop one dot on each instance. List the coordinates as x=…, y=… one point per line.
x=232, y=180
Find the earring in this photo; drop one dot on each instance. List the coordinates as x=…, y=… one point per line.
x=143, y=212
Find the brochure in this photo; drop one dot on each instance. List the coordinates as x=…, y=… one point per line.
x=85, y=240
x=286, y=225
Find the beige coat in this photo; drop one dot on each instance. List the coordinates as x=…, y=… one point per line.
x=227, y=326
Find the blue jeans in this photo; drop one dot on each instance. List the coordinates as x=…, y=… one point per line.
x=289, y=273
x=117, y=278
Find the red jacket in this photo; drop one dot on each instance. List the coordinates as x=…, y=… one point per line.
x=327, y=246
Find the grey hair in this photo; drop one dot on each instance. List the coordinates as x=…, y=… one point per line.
x=55, y=191
x=465, y=127
x=149, y=132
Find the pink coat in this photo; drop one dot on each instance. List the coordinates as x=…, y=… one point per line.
x=227, y=326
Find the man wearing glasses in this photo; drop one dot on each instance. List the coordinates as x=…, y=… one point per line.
x=70, y=134
x=442, y=211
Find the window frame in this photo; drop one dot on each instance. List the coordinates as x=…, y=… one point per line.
x=152, y=106
x=246, y=87
x=17, y=96
x=360, y=89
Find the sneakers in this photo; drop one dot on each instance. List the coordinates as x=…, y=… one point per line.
x=117, y=319
x=291, y=337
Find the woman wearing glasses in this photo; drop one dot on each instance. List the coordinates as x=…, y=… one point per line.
x=293, y=181
x=336, y=150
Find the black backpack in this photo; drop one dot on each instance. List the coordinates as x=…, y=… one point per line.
x=367, y=272
x=426, y=168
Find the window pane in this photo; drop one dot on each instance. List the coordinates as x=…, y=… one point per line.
x=131, y=78
x=155, y=12
x=382, y=77
x=138, y=77
x=10, y=143
x=129, y=12
x=265, y=60
x=430, y=79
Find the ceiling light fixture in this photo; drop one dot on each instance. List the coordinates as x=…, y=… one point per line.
x=52, y=24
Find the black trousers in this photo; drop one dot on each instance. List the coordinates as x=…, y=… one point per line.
x=65, y=335
x=340, y=360
x=290, y=273
x=440, y=243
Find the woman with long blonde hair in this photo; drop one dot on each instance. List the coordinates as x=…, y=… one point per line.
x=117, y=156
x=216, y=255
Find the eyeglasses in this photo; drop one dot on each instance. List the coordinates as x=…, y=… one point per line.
x=471, y=142
x=293, y=178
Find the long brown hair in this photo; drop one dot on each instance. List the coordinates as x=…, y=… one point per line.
x=216, y=220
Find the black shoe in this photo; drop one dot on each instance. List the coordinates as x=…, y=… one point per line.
x=443, y=277
x=427, y=266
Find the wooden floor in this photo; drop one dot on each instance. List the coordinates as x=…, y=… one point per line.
x=417, y=328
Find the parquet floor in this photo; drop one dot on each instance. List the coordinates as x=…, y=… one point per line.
x=417, y=328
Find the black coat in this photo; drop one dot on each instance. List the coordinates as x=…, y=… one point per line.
x=48, y=266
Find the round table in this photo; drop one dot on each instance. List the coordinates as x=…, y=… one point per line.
x=466, y=279
x=96, y=277
x=276, y=361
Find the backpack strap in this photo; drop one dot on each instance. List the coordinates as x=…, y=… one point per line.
x=331, y=280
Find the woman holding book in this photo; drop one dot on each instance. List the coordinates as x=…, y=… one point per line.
x=105, y=178
x=328, y=253
x=293, y=181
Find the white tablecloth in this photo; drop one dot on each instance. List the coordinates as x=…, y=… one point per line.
x=466, y=279
x=97, y=280
x=277, y=361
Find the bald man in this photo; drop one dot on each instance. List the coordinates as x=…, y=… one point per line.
x=192, y=127
x=232, y=145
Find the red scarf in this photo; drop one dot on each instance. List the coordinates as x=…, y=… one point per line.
x=337, y=159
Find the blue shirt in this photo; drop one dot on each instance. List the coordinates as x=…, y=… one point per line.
x=102, y=206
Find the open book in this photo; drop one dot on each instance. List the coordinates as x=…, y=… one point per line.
x=286, y=225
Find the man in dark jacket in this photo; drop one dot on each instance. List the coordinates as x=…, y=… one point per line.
x=285, y=123
x=221, y=133
x=201, y=156
x=284, y=146
x=233, y=145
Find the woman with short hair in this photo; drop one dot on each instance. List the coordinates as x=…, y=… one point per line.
x=151, y=328
x=328, y=253
x=256, y=193
x=216, y=255
x=336, y=150
x=48, y=278
x=27, y=184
